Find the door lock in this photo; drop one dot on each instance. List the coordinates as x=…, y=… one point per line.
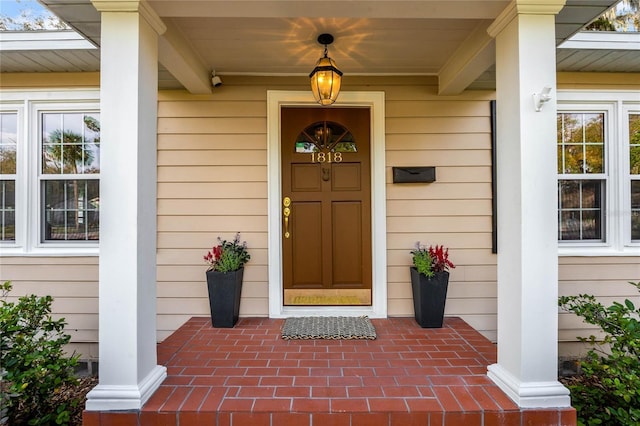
x=286, y=212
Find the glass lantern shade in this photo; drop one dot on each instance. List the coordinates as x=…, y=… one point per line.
x=325, y=81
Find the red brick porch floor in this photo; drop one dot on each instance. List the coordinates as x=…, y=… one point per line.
x=408, y=376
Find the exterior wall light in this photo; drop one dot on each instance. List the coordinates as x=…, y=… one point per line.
x=325, y=77
x=541, y=98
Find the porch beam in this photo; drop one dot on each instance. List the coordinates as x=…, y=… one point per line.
x=182, y=62
x=129, y=373
x=527, y=206
x=475, y=55
x=427, y=9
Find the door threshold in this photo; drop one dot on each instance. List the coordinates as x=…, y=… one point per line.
x=327, y=297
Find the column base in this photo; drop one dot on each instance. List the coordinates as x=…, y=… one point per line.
x=125, y=397
x=530, y=394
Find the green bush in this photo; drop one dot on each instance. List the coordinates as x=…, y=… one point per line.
x=608, y=390
x=36, y=369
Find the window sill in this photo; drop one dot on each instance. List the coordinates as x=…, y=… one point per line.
x=602, y=251
x=50, y=252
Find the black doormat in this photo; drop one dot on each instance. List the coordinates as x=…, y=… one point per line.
x=328, y=328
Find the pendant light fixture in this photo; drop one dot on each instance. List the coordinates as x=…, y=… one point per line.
x=325, y=77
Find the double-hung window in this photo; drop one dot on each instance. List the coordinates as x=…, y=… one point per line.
x=69, y=177
x=598, y=145
x=49, y=172
x=632, y=116
x=8, y=163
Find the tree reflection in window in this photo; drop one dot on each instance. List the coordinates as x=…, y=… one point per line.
x=325, y=136
x=70, y=147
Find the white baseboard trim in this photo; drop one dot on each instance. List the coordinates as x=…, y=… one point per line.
x=530, y=394
x=125, y=397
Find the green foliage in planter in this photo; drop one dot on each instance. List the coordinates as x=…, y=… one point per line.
x=32, y=357
x=422, y=261
x=608, y=391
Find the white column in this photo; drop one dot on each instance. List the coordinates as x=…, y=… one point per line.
x=129, y=373
x=527, y=206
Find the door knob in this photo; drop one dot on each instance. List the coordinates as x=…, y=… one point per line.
x=286, y=212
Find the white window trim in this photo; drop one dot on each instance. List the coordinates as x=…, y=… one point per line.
x=30, y=104
x=20, y=176
x=627, y=108
x=615, y=104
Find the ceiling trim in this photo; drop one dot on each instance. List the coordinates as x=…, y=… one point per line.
x=432, y=9
x=177, y=56
x=475, y=55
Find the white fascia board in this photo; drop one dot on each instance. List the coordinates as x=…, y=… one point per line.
x=603, y=40
x=43, y=40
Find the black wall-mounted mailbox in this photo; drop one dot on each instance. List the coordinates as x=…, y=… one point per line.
x=414, y=174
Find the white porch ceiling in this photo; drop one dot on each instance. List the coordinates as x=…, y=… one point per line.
x=372, y=37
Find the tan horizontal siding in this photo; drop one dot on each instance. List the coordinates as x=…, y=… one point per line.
x=454, y=136
x=212, y=179
x=604, y=277
x=73, y=284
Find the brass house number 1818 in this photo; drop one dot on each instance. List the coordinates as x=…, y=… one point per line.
x=328, y=157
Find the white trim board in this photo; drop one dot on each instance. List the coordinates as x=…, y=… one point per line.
x=376, y=102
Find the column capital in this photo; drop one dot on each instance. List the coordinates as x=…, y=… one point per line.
x=524, y=7
x=138, y=6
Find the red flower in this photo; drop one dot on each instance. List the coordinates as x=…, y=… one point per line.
x=440, y=259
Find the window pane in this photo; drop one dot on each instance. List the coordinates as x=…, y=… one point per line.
x=634, y=143
x=635, y=210
x=71, y=210
x=323, y=137
x=51, y=128
x=70, y=143
x=7, y=160
x=591, y=194
x=72, y=156
x=635, y=194
x=569, y=225
x=569, y=194
x=581, y=210
x=635, y=225
x=8, y=142
x=573, y=159
x=572, y=128
x=591, y=226
x=581, y=143
x=634, y=160
x=594, y=159
x=7, y=210
x=73, y=128
x=593, y=128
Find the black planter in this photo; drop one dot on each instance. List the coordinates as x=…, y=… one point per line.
x=429, y=297
x=224, y=297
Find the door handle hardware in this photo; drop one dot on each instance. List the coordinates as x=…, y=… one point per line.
x=286, y=212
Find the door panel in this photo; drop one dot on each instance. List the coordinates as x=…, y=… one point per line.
x=305, y=177
x=306, y=225
x=346, y=229
x=326, y=184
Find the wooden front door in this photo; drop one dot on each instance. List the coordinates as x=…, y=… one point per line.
x=326, y=206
